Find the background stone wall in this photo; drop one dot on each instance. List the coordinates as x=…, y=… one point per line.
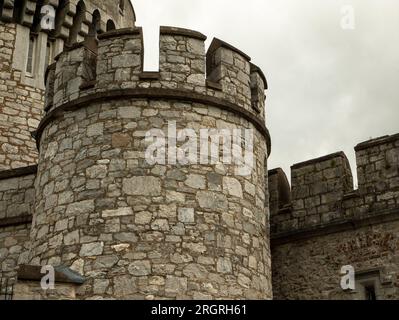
x=16, y=208
x=327, y=224
x=310, y=269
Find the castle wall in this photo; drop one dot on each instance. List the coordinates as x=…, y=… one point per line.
x=310, y=269
x=328, y=225
x=16, y=209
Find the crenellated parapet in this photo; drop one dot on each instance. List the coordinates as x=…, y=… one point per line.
x=223, y=72
x=322, y=193
x=71, y=15
x=113, y=66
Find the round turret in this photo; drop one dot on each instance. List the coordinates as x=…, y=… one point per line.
x=133, y=190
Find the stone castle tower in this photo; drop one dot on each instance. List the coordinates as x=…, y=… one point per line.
x=89, y=203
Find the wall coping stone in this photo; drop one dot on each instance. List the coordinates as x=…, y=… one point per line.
x=182, y=32
x=376, y=142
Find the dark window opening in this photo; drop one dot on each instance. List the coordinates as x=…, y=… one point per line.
x=370, y=293
x=1, y=7
x=77, y=23
x=95, y=27
x=36, y=27
x=18, y=10
x=110, y=25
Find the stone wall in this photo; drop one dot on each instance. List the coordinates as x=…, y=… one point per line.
x=327, y=224
x=309, y=269
x=16, y=208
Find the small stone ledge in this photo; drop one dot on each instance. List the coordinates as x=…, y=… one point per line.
x=155, y=94
x=15, y=221
x=173, y=31
x=376, y=142
x=85, y=86
x=19, y=172
x=62, y=274
x=120, y=32
x=214, y=85
x=149, y=75
x=351, y=195
x=321, y=159
x=334, y=227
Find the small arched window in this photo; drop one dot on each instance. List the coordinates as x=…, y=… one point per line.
x=110, y=25
x=77, y=23
x=95, y=27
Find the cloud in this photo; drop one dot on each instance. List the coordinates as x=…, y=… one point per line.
x=329, y=88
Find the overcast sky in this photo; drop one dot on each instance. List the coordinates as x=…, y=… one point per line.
x=329, y=88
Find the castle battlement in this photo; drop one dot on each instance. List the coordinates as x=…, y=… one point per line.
x=115, y=62
x=322, y=193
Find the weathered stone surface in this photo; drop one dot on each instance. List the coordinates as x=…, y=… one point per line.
x=140, y=268
x=186, y=215
x=233, y=187
x=224, y=265
x=92, y=249
x=175, y=286
x=118, y=212
x=212, y=200
x=142, y=186
x=81, y=207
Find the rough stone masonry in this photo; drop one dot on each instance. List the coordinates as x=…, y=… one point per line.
x=78, y=194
